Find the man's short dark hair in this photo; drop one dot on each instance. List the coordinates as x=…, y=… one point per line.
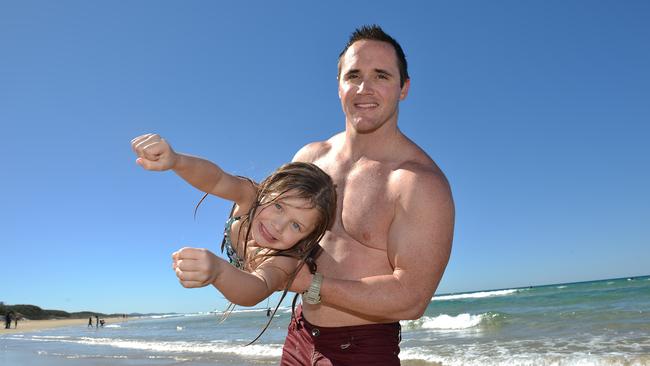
x=375, y=33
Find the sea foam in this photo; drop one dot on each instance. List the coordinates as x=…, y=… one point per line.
x=448, y=322
x=255, y=350
x=270, y=350
x=578, y=359
x=164, y=316
x=476, y=295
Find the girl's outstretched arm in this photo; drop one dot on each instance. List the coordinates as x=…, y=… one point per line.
x=155, y=153
x=197, y=267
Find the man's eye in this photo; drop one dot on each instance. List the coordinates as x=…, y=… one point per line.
x=382, y=76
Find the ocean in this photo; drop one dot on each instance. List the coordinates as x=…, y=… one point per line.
x=603, y=322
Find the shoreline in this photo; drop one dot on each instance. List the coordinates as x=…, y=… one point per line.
x=26, y=326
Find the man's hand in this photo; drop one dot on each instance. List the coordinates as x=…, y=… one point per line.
x=154, y=153
x=196, y=267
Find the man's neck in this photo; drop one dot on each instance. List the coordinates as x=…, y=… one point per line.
x=381, y=144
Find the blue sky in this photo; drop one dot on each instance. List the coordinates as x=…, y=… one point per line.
x=538, y=112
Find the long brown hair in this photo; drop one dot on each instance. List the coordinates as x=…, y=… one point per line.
x=306, y=181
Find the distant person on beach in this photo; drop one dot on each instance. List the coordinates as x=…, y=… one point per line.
x=90, y=321
x=8, y=320
x=16, y=318
x=97, y=321
x=273, y=229
x=389, y=245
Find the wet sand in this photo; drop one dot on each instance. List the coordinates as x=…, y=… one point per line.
x=34, y=325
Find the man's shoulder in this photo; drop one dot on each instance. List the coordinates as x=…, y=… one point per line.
x=314, y=150
x=419, y=175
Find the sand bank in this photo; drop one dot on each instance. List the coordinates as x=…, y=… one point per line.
x=34, y=325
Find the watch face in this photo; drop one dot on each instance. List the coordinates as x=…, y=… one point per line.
x=312, y=295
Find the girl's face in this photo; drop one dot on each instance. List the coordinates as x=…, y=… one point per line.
x=280, y=224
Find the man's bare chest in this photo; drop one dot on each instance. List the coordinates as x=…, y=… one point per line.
x=365, y=205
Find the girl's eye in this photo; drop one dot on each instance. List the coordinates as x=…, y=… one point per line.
x=296, y=226
x=277, y=206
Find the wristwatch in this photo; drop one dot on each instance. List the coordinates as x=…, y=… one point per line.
x=312, y=295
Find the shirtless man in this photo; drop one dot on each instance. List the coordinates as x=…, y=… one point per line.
x=390, y=243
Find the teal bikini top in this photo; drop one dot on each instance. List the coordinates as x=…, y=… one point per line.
x=234, y=258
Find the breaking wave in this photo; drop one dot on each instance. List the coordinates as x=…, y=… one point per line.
x=476, y=295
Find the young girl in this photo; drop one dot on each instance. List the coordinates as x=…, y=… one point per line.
x=274, y=227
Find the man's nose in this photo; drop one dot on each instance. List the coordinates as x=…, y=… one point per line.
x=365, y=87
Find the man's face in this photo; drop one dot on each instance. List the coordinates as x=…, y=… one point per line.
x=369, y=85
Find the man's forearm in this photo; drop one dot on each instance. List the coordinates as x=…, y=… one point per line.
x=378, y=296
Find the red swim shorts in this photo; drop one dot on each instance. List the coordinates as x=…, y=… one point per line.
x=371, y=344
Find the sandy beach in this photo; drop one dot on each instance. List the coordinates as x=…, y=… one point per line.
x=26, y=325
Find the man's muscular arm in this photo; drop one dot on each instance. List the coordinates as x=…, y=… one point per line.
x=419, y=245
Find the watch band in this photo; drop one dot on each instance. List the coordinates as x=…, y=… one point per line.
x=312, y=295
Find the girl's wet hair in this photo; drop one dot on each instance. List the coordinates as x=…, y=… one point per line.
x=297, y=180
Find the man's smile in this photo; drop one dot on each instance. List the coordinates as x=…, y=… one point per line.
x=366, y=105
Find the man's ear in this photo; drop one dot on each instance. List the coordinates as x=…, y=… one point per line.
x=405, y=89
